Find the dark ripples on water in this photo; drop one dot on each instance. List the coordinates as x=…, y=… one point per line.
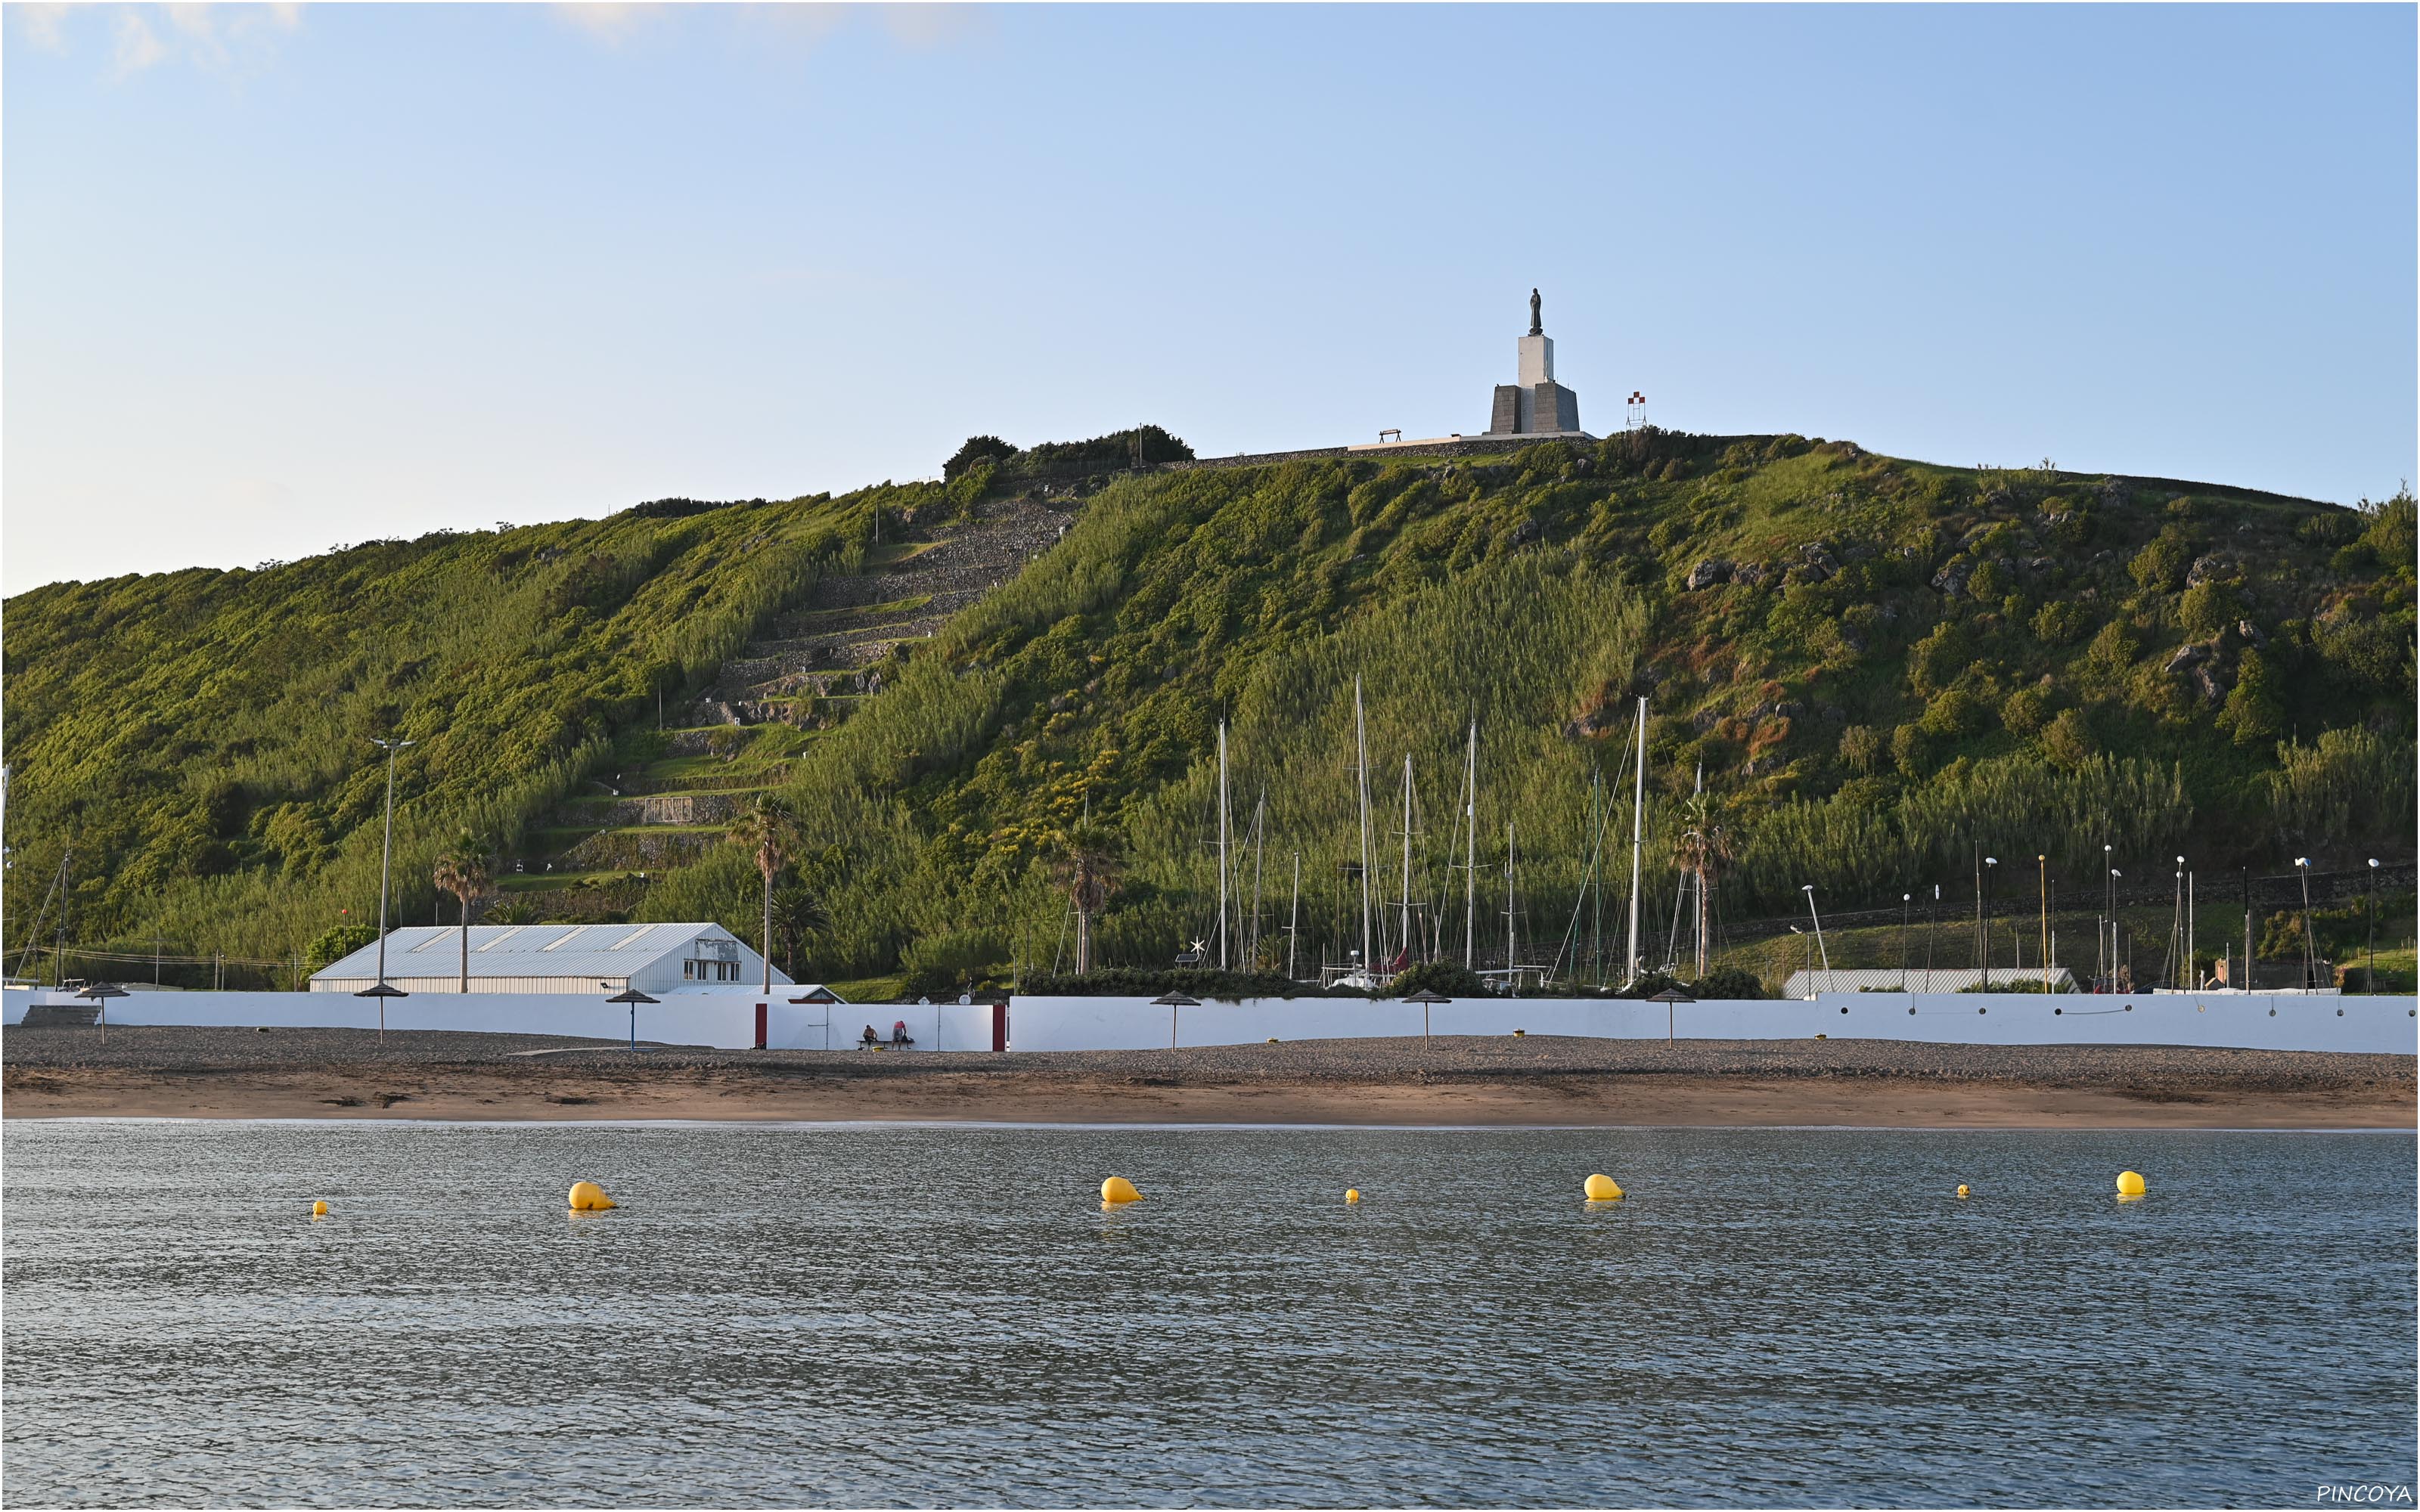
x=874, y=1316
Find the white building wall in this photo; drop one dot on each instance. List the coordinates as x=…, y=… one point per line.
x=2372, y=1024
x=728, y=1019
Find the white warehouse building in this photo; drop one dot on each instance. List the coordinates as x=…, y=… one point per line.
x=554, y=958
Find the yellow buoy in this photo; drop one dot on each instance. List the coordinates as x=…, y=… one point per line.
x=1118, y=1188
x=1961, y=1189
x=2130, y=1183
x=319, y=1209
x=1603, y=1189
x=1352, y=1195
x=587, y=1197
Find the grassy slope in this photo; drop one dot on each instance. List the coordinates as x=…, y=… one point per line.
x=208, y=730
x=1540, y=592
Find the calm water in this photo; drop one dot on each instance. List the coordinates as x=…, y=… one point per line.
x=876, y=1317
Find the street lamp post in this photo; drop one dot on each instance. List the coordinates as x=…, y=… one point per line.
x=1983, y=902
x=2112, y=921
x=2370, y=979
x=2041, y=867
x=1809, y=889
x=2310, y=946
x=1905, y=899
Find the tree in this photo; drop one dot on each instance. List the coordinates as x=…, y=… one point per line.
x=1090, y=857
x=2256, y=710
x=974, y=454
x=796, y=913
x=763, y=829
x=462, y=870
x=1706, y=847
x=1861, y=748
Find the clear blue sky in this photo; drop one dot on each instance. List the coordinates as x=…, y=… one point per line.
x=275, y=280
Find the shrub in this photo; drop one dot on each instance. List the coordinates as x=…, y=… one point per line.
x=1861, y=748
x=943, y=965
x=338, y=943
x=2059, y=621
x=2256, y=710
x=1449, y=978
x=2392, y=533
x=1953, y=714
x=2163, y=563
x=2024, y=711
x=2116, y=647
x=1730, y=981
x=1938, y=661
x=2072, y=527
x=977, y=451
x=2069, y=741
x=1911, y=752
x=2208, y=607
x=2350, y=784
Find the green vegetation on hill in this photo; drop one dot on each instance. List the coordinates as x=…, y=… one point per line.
x=1878, y=665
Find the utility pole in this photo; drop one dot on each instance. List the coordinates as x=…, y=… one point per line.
x=2246, y=872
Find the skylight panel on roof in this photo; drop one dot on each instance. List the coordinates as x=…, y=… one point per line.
x=568, y=935
x=502, y=939
x=632, y=935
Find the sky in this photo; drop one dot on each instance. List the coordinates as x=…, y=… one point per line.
x=276, y=279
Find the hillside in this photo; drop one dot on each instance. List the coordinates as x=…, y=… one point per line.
x=1879, y=664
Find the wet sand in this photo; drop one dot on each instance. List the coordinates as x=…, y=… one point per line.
x=1540, y=1080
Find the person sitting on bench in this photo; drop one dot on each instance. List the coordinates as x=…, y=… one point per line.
x=899, y=1035
x=869, y=1038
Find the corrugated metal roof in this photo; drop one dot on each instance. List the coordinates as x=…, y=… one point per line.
x=1915, y=980
x=600, y=950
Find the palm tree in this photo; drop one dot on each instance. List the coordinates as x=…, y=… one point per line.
x=796, y=913
x=1088, y=865
x=764, y=829
x=462, y=870
x=1704, y=848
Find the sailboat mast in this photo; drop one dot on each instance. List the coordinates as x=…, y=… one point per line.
x=1637, y=826
x=1222, y=845
x=1596, y=875
x=1260, y=849
x=1294, y=917
x=1361, y=786
x=1698, y=855
x=1408, y=856
x=1470, y=852
x=1511, y=913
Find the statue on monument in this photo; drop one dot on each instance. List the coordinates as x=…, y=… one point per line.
x=1536, y=327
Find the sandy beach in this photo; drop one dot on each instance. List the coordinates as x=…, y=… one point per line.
x=347, y=1073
